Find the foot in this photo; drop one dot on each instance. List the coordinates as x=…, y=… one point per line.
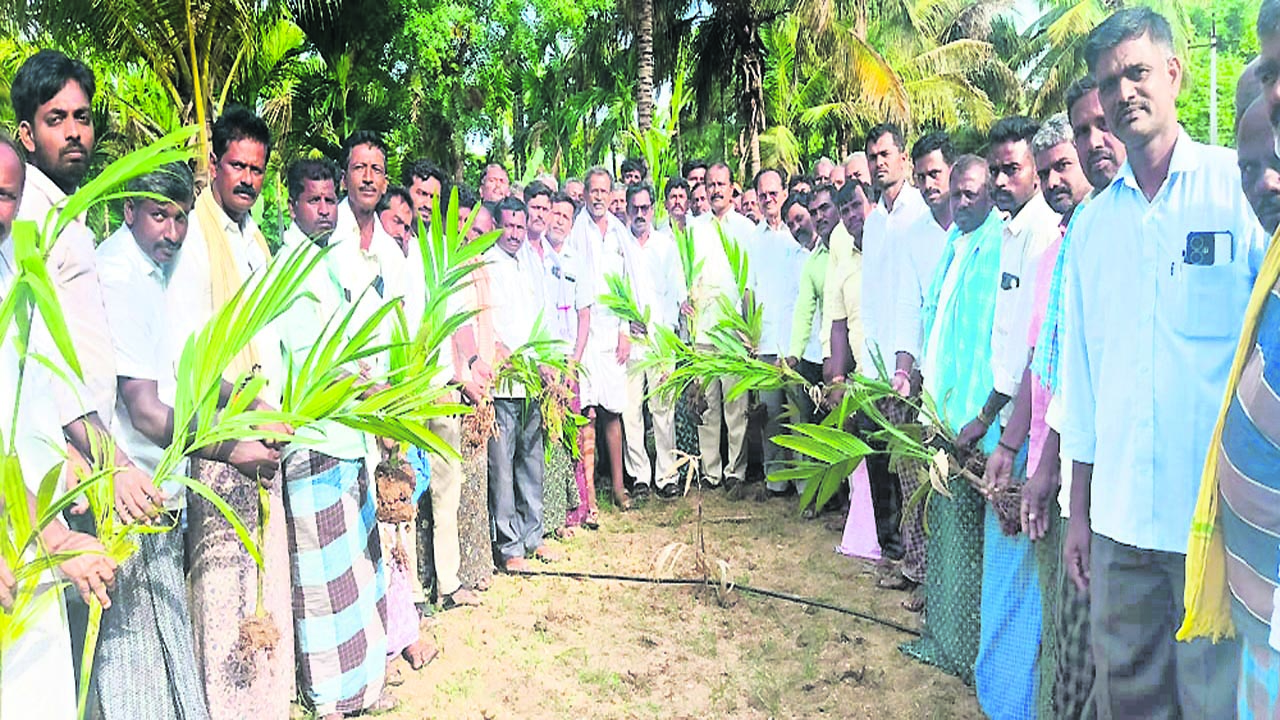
x=592, y=520
x=482, y=585
x=669, y=491
x=809, y=513
x=394, y=678
x=420, y=653
x=516, y=565
x=640, y=492
x=386, y=703
x=566, y=532
x=895, y=580
x=915, y=601
x=547, y=555
x=463, y=596
x=622, y=499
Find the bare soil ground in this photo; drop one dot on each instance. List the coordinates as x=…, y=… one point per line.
x=562, y=648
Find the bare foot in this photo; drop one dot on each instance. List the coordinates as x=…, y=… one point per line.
x=420, y=653
x=547, y=555
x=516, y=565
x=462, y=596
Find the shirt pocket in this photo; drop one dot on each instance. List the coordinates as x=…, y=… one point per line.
x=1208, y=306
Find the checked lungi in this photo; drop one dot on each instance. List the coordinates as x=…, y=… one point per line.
x=339, y=581
x=148, y=624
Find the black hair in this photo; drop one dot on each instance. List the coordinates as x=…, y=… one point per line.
x=677, y=183
x=691, y=165
x=1013, y=129
x=845, y=193
x=172, y=180
x=358, y=138
x=393, y=191
x=886, y=128
x=237, y=122
x=314, y=169
x=634, y=190
x=717, y=165
x=802, y=199
x=1269, y=18
x=509, y=203
x=634, y=164
x=1079, y=89
x=534, y=189
x=964, y=162
x=44, y=75
x=782, y=175
x=806, y=179
x=466, y=197
x=827, y=188
x=424, y=170
x=1128, y=24
x=563, y=197
x=934, y=142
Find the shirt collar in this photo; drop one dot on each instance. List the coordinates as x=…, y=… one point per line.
x=44, y=184
x=1033, y=214
x=907, y=197
x=225, y=220
x=1186, y=156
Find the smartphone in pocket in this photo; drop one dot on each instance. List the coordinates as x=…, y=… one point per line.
x=1207, y=248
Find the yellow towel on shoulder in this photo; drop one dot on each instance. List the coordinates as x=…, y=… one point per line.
x=1206, y=594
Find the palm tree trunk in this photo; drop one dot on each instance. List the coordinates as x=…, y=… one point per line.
x=644, y=72
x=753, y=107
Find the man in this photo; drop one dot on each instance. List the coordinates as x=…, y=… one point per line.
x=716, y=279
x=633, y=172
x=575, y=189
x=39, y=670
x=396, y=215
x=601, y=243
x=749, y=206
x=699, y=203
x=365, y=252
x=1256, y=158
x=1031, y=227
x=495, y=184
x=838, y=177
x=694, y=172
x=800, y=185
x=153, y=618
x=52, y=99
x=957, y=373
x=900, y=206
x=515, y=451
x=822, y=170
x=855, y=166
x=618, y=202
x=426, y=183
x=660, y=294
x=1100, y=155
x=329, y=495
x=821, y=219
x=223, y=249
x=776, y=261
x=1244, y=461
x=1137, y=384
x=677, y=204
x=537, y=201
x=842, y=295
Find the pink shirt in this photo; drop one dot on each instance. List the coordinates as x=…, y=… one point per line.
x=1040, y=394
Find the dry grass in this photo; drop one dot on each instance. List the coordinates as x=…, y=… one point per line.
x=559, y=648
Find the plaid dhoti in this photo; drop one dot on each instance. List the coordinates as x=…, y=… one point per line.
x=149, y=622
x=339, y=581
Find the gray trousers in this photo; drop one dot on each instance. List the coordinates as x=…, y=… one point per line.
x=446, y=495
x=146, y=663
x=515, y=478
x=1142, y=671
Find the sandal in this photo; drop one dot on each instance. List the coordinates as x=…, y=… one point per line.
x=623, y=501
x=914, y=602
x=386, y=703
x=565, y=532
x=895, y=580
x=592, y=520
x=394, y=678
x=420, y=658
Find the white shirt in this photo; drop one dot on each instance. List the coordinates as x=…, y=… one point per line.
x=376, y=272
x=885, y=231
x=1026, y=235
x=663, y=289
x=133, y=286
x=563, y=294
x=74, y=272
x=600, y=254
x=776, y=260
x=190, y=291
x=923, y=245
x=716, y=276
x=511, y=284
x=1148, y=340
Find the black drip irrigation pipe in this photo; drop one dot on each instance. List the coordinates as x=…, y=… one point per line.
x=744, y=588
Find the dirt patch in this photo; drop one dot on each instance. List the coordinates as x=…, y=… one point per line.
x=559, y=648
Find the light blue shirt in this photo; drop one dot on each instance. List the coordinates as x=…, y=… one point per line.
x=1147, y=340
x=776, y=260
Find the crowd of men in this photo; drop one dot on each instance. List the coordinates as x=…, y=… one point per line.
x=1077, y=301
